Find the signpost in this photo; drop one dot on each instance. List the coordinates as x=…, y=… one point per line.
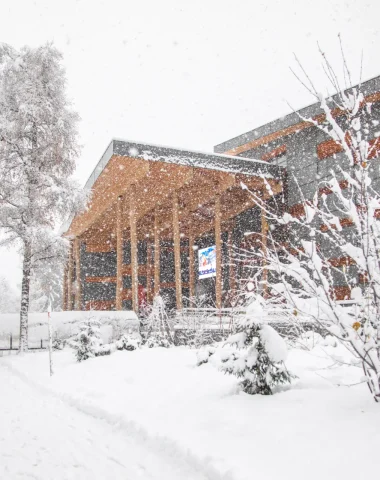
x=50, y=336
x=207, y=262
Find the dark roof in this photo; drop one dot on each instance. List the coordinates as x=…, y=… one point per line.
x=368, y=87
x=225, y=163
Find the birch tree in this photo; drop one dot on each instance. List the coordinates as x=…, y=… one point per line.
x=302, y=270
x=38, y=149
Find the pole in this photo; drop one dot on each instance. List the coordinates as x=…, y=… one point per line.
x=50, y=337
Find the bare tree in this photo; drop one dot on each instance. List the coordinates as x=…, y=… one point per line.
x=38, y=148
x=303, y=271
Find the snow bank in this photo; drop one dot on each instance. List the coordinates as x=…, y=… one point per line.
x=65, y=324
x=201, y=412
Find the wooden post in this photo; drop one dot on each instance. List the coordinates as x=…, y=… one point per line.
x=156, y=254
x=191, y=269
x=70, y=278
x=148, y=271
x=78, y=282
x=177, y=253
x=134, y=264
x=231, y=269
x=264, y=235
x=218, y=244
x=64, y=296
x=119, y=254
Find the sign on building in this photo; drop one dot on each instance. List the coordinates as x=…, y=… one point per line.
x=207, y=262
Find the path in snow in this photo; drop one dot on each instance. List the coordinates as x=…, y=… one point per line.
x=41, y=437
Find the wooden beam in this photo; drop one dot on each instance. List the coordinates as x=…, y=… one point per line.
x=149, y=272
x=231, y=265
x=78, y=280
x=218, y=244
x=64, y=295
x=177, y=253
x=70, y=278
x=132, y=220
x=119, y=253
x=115, y=180
x=191, y=269
x=156, y=254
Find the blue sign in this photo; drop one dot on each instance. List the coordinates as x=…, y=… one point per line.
x=207, y=262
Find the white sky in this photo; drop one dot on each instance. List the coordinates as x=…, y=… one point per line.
x=190, y=73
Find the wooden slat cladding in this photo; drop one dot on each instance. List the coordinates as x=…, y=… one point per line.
x=297, y=210
x=276, y=153
x=341, y=293
x=100, y=279
x=99, y=248
x=344, y=222
x=298, y=127
x=342, y=261
x=374, y=150
x=331, y=147
x=327, y=191
x=363, y=278
x=328, y=149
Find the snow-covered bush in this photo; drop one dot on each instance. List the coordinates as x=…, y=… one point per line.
x=204, y=354
x=87, y=343
x=58, y=343
x=259, y=360
x=129, y=342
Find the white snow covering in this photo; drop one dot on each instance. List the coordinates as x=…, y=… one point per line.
x=64, y=323
x=274, y=344
x=153, y=414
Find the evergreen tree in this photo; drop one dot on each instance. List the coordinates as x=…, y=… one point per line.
x=88, y=342
x=259, y=360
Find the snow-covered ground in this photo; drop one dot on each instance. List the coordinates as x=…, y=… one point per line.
x=154, y=414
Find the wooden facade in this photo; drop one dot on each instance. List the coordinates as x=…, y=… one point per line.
x=174, y=196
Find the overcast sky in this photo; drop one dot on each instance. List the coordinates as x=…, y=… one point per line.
x=188, y=73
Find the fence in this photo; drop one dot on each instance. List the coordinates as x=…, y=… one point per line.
x=10, y=343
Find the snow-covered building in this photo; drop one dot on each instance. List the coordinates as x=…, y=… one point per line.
x=154, y=208
x=308, y=156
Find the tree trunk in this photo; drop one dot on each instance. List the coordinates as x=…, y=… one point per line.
x=26, y=270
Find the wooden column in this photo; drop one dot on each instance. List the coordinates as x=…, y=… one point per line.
x=78, y=280
x=264, y=240
x=218, y=244
x=231, y=269
x=70, y=278
x=156, y=254
x=149, y=271
x=191, y=269
x=64, y=296
x=134, y=264
x=119, y=254
x=177, y=253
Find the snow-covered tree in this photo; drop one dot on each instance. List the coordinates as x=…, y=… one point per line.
x=9, y=298
x=87, y=343
x=38, y=148
x=259, y=359
x=46, y=282
x=304, y=271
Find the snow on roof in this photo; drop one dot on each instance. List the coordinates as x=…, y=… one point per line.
x=212, y=161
